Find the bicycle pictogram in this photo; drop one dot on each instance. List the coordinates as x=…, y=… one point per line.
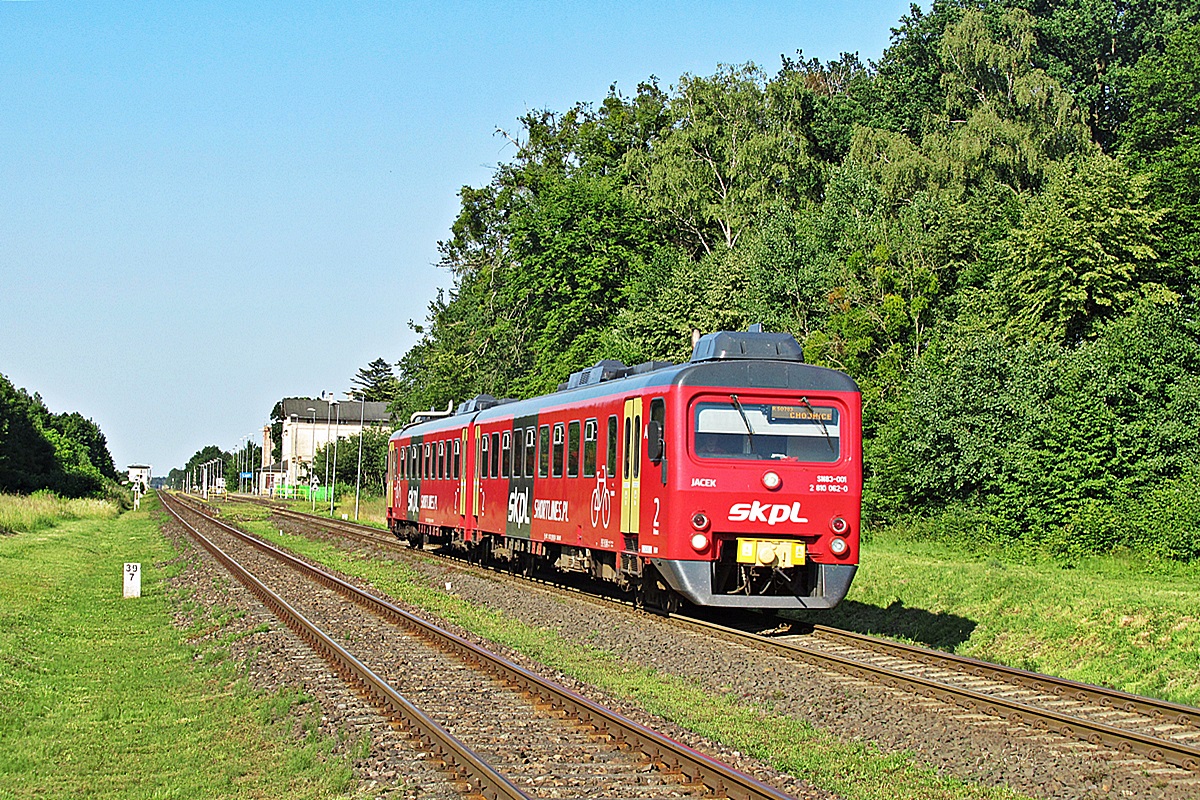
x=602, y=499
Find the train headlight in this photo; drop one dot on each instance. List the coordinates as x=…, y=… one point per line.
x=700, y=522
x=839, y=525
x=771, y=480
x=838, y=546
x=699, y=542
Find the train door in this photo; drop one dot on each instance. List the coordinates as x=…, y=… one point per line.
x=460, y=455
x=631, y=467
x=477, y=490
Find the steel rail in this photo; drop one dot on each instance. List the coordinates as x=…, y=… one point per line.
x=455, y=757
x=717, y=778
x=1153, y=747
x=1163, y=710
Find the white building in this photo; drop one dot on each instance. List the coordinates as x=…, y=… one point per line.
x=309, y=425
x=139, y=473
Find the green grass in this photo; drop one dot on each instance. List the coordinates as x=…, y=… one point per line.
x=41, y=510
x=856, y=771
x=103, y=697
x=372, y=510
x=1126, y=622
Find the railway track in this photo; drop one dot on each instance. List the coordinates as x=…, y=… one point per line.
x=1154, y=729
x=528, y=738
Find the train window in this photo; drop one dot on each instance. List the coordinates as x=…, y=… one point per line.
x=506, y=458
x=397, y=465
x=783, y=431
x=481, y=467
x=573, y=449
x=440, y=469
x=414, y=455
x=611, y=443
x=637, y=446
x=457, y=458
x=559, y=436
x=530, y=450
x=628, y=450
x=590, y=430
x=495, y=455
x=658, y=413
x=543, y=451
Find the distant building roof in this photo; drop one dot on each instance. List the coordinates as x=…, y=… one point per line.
x=346, y=410
x=138, y=466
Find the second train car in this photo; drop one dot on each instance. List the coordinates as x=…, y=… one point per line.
x=734, y=479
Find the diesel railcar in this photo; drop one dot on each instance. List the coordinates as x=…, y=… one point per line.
x=734, y=479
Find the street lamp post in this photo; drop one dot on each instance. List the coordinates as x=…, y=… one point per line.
x=362, y=415
x=328, y=419
x=335, y=441
x=312, y=462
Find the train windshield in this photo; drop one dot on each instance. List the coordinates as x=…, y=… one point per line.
x=785, y=431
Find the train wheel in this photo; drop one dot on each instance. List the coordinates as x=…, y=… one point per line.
x=656, y=596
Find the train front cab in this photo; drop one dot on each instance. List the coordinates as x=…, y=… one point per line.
x=765, y=486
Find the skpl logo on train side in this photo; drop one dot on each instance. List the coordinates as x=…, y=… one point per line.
x=770, y=513
x=518, y=506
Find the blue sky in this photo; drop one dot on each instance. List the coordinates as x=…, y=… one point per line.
x=205, y=207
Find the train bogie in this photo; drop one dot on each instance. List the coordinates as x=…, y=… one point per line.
x=732, y=480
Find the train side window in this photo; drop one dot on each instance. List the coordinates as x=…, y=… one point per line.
x=656, y=429
x=427, y=468
x=457, y=459
x=495, y=455
x=628, y=450
x=414, y=456
x=637, y=446
x=441, y=460
x=590, y=429
x=559, y=437
x=611, y=445
x=506, y=458
x=530, y=450
x=401, y=464
x=573, y=449
x=543, y=451
x=484, y=445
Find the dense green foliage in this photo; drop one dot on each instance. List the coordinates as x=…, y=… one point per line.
x=345, y=461
x=995, y=230
x=39, y=450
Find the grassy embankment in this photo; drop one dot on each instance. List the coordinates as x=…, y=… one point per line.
x=26, y=514
x=103, y=697
x=854, y=770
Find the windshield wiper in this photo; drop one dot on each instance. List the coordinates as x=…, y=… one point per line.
x=824, y=430
x=738, y=405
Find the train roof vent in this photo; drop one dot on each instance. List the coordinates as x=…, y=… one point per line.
x=732, y=345
x=606, y=370
x=477, y=403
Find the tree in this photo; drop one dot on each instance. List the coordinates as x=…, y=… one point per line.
x=1162, y=137
x=376, y=382
x=720, y=162
x=1082, y=250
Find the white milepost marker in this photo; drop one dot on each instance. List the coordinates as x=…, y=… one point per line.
x=133, y=580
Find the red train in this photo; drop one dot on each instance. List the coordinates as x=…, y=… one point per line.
x=732, y=480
